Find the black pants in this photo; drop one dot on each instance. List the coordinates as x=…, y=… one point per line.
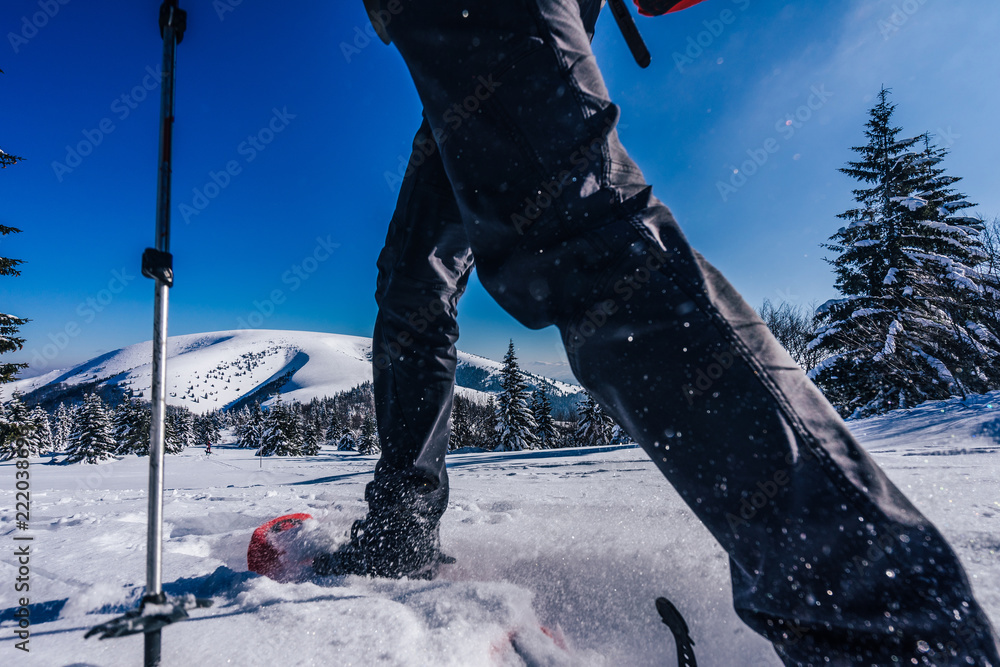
x=518, y=161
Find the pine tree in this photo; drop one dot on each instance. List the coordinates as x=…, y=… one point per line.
x=179, y=430
x=312, y=436
x=40, y=438
x=347, y=442
x=461, y=425
x=62, y=429
x=594, y=428
x=911, y=326
x=955, y=274
x=131, y=423
x=9, y=436
x=280, y=432
x=619, y=436
x=515, y=426
x=16, y=429
x=334, y=430
x=6, y=159
x=368, y=442
x=249, y=426
x=541, y=410
x=10, y=324
x=490, y=427
x=206, y=430
x=92, y=439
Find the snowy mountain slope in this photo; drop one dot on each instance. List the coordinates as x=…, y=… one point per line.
x=226, y=368
x=577, y=540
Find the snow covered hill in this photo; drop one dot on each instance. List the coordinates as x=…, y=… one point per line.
x=580, y=541
x=223, y=369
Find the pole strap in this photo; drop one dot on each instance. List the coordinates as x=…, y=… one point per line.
x=158, y=265
x=173, y=16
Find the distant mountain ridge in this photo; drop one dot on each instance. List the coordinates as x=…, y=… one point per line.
x=227, y=369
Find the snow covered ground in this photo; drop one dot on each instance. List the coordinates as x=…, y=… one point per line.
x=580, y=541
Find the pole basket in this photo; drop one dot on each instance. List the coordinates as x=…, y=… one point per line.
x=154, y=613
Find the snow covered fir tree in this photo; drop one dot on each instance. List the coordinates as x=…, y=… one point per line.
x=281, y=434
x=132, y=422
x=206, y=430
x=248, y=426
x=473, y=424
x=461, y=425
x=10, y=324
x=347, y=442
x=39, y=439
x=6, y=159
x=368, y=440
x=17, y=427
x=62, y=427
x=915, y=321
x=178, y=430
x=541, y=409
x=595, y=427
x=515, y=425
x=92, y=439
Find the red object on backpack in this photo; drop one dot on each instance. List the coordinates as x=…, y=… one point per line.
x=660, y=7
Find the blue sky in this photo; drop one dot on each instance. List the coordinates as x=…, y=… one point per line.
x=310, y=129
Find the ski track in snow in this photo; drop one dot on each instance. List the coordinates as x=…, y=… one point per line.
x=578, y=541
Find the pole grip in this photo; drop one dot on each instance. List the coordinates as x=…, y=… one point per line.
x=172, y=16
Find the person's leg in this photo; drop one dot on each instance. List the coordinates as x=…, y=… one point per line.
x=829, y=560
x=422, y=272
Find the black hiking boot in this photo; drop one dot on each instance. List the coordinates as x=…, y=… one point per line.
x=392, y=548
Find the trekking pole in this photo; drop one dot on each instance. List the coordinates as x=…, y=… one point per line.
x=156, y=610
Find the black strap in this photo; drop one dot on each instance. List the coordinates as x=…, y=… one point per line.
x=631, y=33
x=682, y=637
